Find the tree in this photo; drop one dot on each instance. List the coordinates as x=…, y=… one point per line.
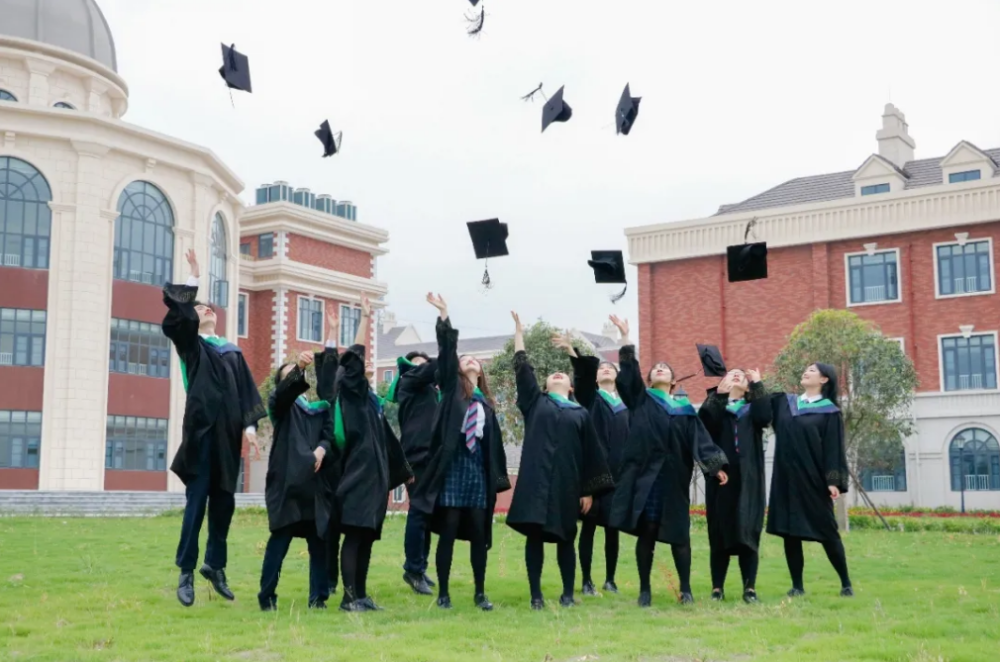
x=876, y=380
x=545, y=358
x=390, y=409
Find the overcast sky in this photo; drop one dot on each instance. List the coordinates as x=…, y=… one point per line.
x=737, y=97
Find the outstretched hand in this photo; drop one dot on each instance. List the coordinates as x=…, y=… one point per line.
x=622, y=324
x=517, y=322
x=192, y=260
x=438, y=302
x=753, y=376
x=332, y=322
x=564, y=342
x=366, y=306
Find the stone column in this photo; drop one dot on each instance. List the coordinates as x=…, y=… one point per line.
x=38, y=81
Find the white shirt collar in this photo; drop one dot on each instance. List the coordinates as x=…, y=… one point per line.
x=810, y=398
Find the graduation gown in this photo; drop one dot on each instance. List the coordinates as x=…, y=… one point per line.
x=665, y=441
x=294, y=491
x=415, y=391
x=373, y=462
x=222, y=398
x=561, y=461
x=735, y=511
x=611, y=420
x=809, y=457
x=447, y=439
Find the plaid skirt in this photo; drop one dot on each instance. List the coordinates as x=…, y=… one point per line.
x=653, y=510
x=465, y=482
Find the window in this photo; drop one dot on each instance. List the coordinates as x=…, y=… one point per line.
x=136, y=444
x=967, y=176
x=139, y=348
x=63, y=104
x=310, y=320
x=876, y=188
x=7, y=96
x=245, y=249
x=399, y=495
x=886, y=479
x=144, y=235
x=218, y=286
x=969, y=363
x=350, y=320
x=964, y=269
x=241, y=315
x=265, y=246
x=873, y=278
x=975, y=460
x=20, y=439
x=388, y=376
x=22, y=337
x=25, y=217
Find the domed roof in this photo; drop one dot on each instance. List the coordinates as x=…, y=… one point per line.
x=76, y=25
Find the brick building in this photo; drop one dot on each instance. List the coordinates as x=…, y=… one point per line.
x=909, y=244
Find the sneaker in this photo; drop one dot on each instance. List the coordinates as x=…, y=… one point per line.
x=567, y=601
x=610, y=587
x=353, y=605
x=847, y=592
x=444, y=602
x=718, y=595
x=538, y=604
x=589, y=588
x=369, y=604
x=483, y=602
x=750, y=596
x=645, y=599
x=417, y=583
x=796, y=592
x=686, y=599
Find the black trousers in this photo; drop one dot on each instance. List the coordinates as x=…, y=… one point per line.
x=204, y=493
x=274, y=556
x=332, y=543
x=354, y=561
x=416, y=542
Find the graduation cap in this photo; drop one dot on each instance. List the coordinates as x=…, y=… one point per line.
x=235, y=69
x=609, y=267
x=476, y=21
x=747, y=262
x=331, y=141
x=711, y=361
x=556, y=110
x=489, y=239
x=627, y=111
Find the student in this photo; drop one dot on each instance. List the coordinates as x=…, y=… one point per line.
x=563, y=468
x=810, y=473
x=736, y=414
x=222, y=408
x=652, y=500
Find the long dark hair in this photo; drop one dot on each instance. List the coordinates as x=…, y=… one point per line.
x=467, y=386
x=830, y=390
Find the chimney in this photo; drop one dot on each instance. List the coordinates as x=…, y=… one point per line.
x=894, y=141
x=610, y=331
x=388, y=321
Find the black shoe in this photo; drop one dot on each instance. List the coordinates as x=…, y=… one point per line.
x=483, y=602
x=686, y=599
x=444, y=602
x=610, y=587
x=796, y=592
x=353, y=605
x=417, y=583
x=847, y=592
x=369, y=604
x=268, y=604
x=750, y=596
x=718, y=595
x=185, y=588
x=589, y=588
x=566, y=601
x=538, y=604
x=318, y=604
x=645, y=599
x=429, y=581
x=218, y=579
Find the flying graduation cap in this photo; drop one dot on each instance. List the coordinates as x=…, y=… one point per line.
x=627, y=111
x=331, y=141
x=711, y=361
x=555, y=110
x=747, y=261
x=609, y=267
x=489, y=239
x=235, y=69
x=476, y=21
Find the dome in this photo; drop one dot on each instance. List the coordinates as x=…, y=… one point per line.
x=76, y=25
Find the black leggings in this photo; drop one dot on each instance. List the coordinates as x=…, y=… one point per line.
x=796, y=561
x=587, y=551
x=476, y=519
x=534, y=559
x=644, y=547
x=719, y=561
x=355, y=557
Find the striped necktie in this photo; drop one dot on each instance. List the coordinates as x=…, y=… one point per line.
x=471, y=417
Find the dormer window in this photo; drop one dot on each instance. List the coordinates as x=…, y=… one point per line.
x=64, y=105
x=965, y=176
x=874, y=189
x=7, y=96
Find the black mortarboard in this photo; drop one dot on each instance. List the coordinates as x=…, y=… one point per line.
x=627, y=111
x=711, y=361
x=330, y=140
x=747, y=262
x=235, y=69
x=556, y=110
x=473, y=2
x=609, y=267
x=489, y=239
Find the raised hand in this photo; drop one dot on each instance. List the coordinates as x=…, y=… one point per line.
x=753, y=376
x=192, y=261
x=366, y=306
x=563, y=342
x=726, y=385
x=305, y=360
x=621, y=324
x=332, y=322
x=438, y=302
x=517, y=322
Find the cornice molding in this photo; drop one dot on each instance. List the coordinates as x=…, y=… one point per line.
x=286, y=217
x=285, y=274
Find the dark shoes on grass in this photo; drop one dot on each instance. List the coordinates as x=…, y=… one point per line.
x=418, y=583
x=218, y=580
x=185, y=589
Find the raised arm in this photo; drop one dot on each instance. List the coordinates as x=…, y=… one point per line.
x=760, y=404
x=524, y=373
x=361, y=337
x=447, y=339
x=327, y=361
x=629, y=382
x=584, y=372
x=181, y=322
x=288, y=389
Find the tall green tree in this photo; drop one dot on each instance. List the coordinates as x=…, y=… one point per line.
x=390, y=409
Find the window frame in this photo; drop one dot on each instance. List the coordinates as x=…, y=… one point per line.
x=10, y=96
x=244, y=318
x=36, y=244
x=30, y=336
x=7, y=418
x=161, y=350
x=271, y=254
x=64, y=105
x=298, y=318
x=870, y=189
x=218, y=259
x=952, y=453
x=952, y=175
x=152, y=444
x=400, y=489
x=898, y=475
x=342, y=339
x=937, y=268
x=996, y=362
x=165, y=258
x=388, y=375
x=847, y=277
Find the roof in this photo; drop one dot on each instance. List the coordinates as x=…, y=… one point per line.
x=388, y=339
x=465, y=345
x=838, y=185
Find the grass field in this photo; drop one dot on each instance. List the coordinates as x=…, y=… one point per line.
x=103, y=589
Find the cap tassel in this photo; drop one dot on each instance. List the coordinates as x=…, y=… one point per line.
x=615, y=298
x=486, y=282
x=476, y=22
x=530, y=96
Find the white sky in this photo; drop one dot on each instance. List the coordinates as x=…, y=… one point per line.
x=737, y=97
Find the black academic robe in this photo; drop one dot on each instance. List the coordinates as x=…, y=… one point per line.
x=373, y=462
x=295, y=492
x=735, y=511
x=561, y=461
x=416, y=393
x=809, y=457
x=222, y=398
x=611, y=422
x=665, y=442
x=447, y=439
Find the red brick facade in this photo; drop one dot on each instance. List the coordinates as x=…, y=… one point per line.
x=329, y=256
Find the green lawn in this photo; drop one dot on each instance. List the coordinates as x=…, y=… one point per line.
x=103, y=589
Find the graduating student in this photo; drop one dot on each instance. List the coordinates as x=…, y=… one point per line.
x=327, y=365
x=373, y=465
x=594, y=388
x=222, y=408
x=563, y=468
x=810, y=472
x=652, y=499
x=467, y=465
x=735, y=414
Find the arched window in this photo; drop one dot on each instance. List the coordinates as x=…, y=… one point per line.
x=25, y=216
x=975, y=459
x=218, y=286
x=63, y=104
x=7, y=96
x=144, y=237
